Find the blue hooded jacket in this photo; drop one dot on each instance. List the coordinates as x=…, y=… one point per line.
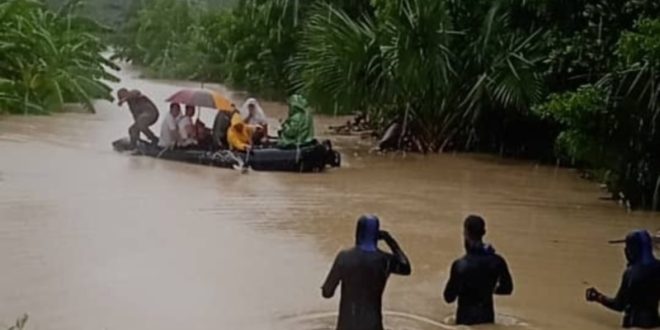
x=639, y=248
x=366, y=234
x=363, y=271
x=639, y=291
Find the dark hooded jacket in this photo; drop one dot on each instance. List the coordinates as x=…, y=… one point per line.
x=639, y=291
x=473, y=280
x=221, y=124
x=363, y=272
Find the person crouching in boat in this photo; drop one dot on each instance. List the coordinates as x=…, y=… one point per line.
x=239, y=137
x=639, y=292
x=187, y=131
x=169, y=129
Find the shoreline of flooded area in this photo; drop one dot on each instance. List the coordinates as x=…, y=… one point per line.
x=90, y=238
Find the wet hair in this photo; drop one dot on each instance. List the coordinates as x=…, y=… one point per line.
x=639, y=248
x=474, y=227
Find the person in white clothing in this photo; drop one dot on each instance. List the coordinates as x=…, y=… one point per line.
x=169, y=134
x=187, y=129
x=254, y=116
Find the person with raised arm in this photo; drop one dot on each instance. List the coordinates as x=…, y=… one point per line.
x=363, y=271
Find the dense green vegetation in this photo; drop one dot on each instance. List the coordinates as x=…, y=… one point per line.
x=575, y=80
x=248, y=45
x=612, y=123
x=48, y=58
x=113, y=13
x=428, y=61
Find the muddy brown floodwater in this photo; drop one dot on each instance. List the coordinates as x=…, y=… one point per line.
x=93, y=239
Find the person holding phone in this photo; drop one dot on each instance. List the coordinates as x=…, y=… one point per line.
x=363, y=271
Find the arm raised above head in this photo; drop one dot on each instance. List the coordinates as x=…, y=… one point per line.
x=400, y=264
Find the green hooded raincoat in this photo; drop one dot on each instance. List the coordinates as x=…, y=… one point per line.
x=298, y=128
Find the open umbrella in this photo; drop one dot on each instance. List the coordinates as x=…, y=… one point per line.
x=201, y=98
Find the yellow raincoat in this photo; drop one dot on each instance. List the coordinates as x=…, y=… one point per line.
x=239, y=136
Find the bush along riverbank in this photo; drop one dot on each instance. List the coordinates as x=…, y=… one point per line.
x=49, y=58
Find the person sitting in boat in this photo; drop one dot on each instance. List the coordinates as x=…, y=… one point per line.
x=240, y=136
x=187, y=131
x=223, y=121
x=169, y=130
x=203, y=135
x=254, y=115
x=199, y=124
x=298, y=128
x=196, y=134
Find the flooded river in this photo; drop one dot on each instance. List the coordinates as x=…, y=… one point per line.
x=93, y=239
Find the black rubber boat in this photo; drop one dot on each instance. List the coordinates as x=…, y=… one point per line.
x=311, y=158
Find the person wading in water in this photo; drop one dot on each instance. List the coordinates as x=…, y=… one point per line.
x=639, y=292
x=476, y=276
x=145, y=114
x=363, y=272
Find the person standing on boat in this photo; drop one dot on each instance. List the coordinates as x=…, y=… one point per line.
x=145, y=114
x=475, y=277
x=363, y=272
x=639, y=291
x=169, y=129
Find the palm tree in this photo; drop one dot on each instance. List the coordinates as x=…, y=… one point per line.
x=415, y=62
